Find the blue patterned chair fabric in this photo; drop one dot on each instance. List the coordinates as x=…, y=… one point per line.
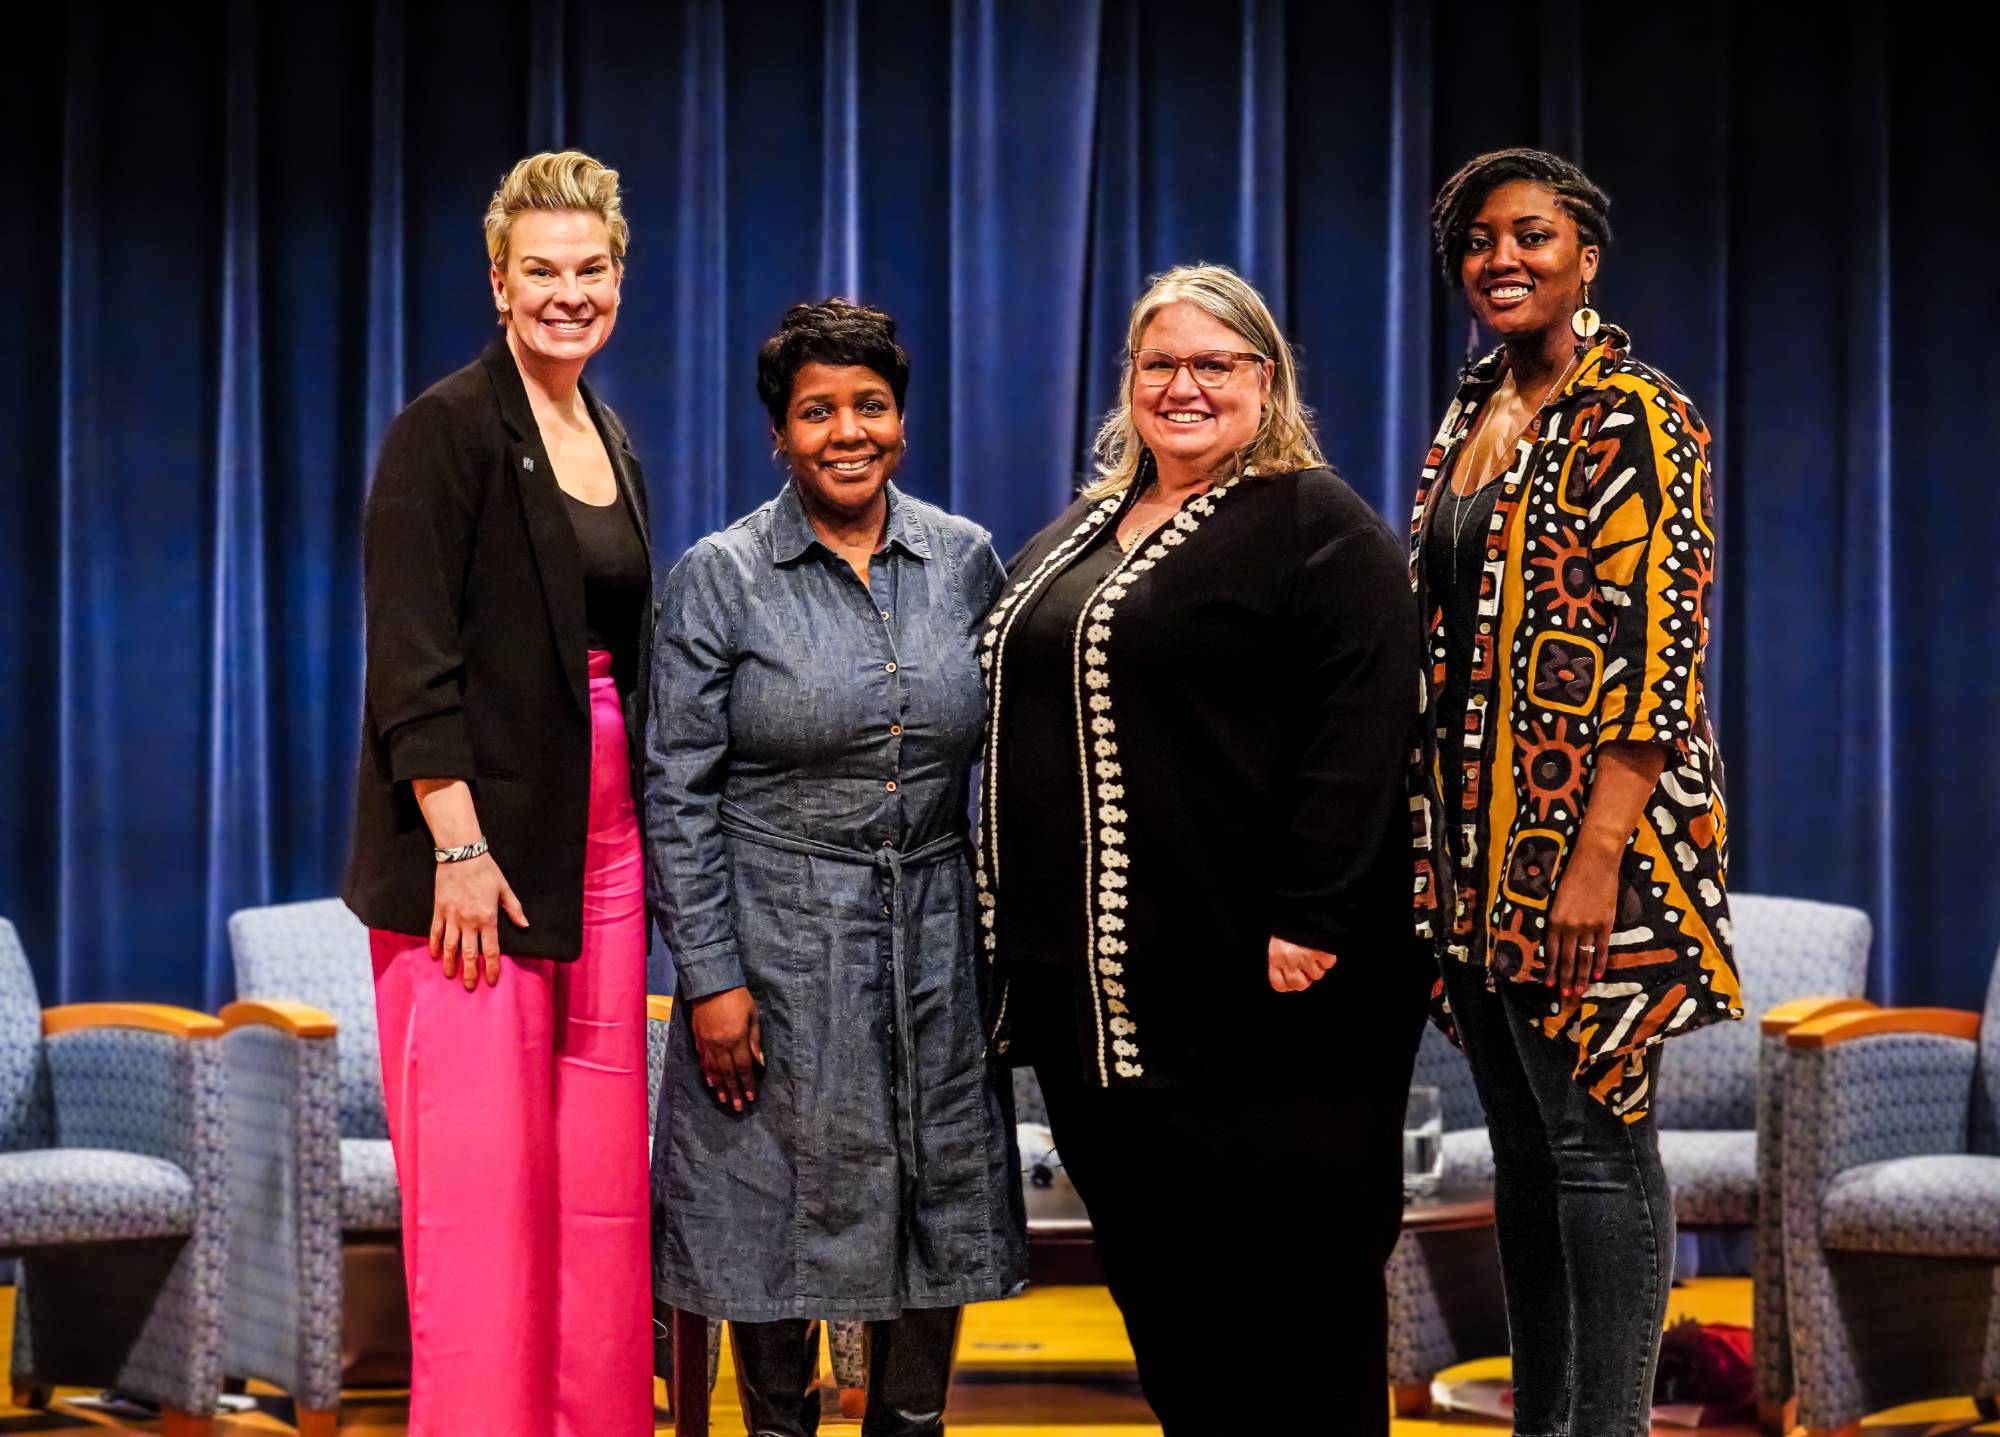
x=369, y=1197
x=316, y=953
x=112, y=1134
x=1721, y=1103
x=307, y=1120
x=79, y=1195
x=1712, y=1102
x=1891, y=1182
x=288, y=1195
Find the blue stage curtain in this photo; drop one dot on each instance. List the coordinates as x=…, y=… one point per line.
x=240, y=236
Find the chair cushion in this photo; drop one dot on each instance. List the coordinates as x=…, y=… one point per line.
x=1941, y=1206
x=1713, y=1175
x=369, y=1197
x=52, y=1196
x=1468, y=1158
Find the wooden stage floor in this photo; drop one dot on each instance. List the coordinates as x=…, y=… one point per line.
x=1054, y=1363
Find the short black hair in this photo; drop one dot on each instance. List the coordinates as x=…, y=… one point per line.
x=834, y=331
x=1457, y=204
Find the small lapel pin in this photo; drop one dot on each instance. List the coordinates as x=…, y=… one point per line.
x=528, y=463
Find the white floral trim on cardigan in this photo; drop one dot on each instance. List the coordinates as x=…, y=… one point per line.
x=1106, y=861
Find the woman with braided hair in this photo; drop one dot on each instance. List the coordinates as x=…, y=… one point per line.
x=1571, y=826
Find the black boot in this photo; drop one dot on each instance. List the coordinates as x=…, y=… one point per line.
x=775, y=1367
x=909, y=1373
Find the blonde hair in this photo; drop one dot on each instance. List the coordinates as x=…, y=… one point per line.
x=1284, y=441
x=566, y=180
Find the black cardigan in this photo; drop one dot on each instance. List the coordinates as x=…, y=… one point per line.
x=477, y=654
x=1248, y=689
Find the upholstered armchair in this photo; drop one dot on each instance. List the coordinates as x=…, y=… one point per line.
x=1891, y=1181
x=1722, y=1094
x=1795, y=957
x=112, y=1175
x=313, y=1171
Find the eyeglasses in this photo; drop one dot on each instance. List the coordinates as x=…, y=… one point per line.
x=1210, y=368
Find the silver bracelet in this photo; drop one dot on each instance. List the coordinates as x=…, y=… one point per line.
x=459, y=855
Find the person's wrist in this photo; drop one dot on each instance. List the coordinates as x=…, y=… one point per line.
x=462, y=852
x=1599, y=848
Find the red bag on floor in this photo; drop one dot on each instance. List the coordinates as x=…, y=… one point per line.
x=1704, y=1374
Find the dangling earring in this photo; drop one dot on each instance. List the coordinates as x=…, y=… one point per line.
x=1586, y=321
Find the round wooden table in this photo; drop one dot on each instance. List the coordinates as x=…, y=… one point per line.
x=1449, y=1209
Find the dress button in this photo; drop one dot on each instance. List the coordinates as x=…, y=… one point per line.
x=891, y=785
x=885, y=909
x=885, y=616
x=889, y=668
x=1491, y=554
x=895, y=730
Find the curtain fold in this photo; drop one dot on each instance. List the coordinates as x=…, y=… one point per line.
x=237, y=813
x=257, y=233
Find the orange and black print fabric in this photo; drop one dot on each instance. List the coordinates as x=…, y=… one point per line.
x=1592, y=626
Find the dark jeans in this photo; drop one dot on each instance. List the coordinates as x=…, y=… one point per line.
x=1243, y=1229
x=1585, y=1222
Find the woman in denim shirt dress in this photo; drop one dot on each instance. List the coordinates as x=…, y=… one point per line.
x=832, y=1140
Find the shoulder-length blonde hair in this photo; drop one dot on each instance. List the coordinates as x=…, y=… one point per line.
x=1284, y=441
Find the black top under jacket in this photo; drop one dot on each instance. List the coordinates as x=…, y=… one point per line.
x=477, y=662
x=1237, y=700
x=617, y=575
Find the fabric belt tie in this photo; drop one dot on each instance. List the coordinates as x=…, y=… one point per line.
x=889, y=865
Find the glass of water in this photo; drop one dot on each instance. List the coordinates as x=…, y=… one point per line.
x=1423, y=1143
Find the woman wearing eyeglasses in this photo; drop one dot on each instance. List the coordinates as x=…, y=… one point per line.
x=1195, y=861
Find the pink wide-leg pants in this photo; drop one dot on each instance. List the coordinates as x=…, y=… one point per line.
x=518, y=1115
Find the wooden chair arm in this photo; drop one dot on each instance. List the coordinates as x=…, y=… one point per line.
x=1843, y=1027
x=659, y=1008
x=301, y=1020
x=1787, y=1016
x=154, y=1017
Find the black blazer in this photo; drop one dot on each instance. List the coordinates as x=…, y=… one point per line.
x=477, y=654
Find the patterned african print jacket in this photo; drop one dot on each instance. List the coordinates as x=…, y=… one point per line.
x=1592, y=628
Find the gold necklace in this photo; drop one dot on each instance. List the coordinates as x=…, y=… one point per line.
x=1139, y=536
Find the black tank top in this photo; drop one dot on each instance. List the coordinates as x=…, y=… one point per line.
x=614, y=576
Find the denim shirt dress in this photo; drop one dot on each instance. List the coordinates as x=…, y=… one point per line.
x=807, y=764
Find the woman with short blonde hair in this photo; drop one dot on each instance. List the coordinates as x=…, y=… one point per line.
x=496, y=855
x=1195, y=862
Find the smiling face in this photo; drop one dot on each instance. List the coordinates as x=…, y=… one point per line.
x=843, y=437
x=557, y=285
x=1192, y=429
x=1525, y=266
